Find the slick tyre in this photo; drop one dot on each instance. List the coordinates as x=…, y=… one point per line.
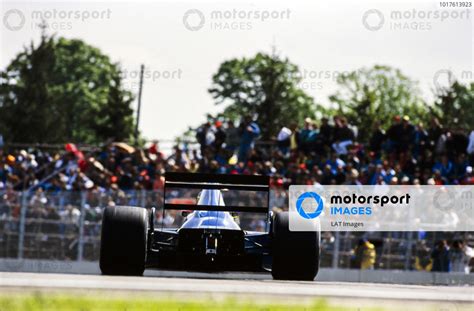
x=123, y=244
x=295, y=254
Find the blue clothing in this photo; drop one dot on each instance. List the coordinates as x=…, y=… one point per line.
x=247, y=140
x=307, y=135
x=445, y=170
x=441, y=261
x=335, y=164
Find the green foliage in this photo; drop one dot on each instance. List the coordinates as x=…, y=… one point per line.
x=265, y=87
x=63, y=90
x=455, y=106
x=71, y=302
x=377, y=94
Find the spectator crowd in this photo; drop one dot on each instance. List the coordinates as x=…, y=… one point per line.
x=326, y=151
x=322, y=152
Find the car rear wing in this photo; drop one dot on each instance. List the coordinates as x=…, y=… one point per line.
x=217, y=181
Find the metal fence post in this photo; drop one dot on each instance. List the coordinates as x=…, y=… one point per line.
x=143, y=198
x=409, y=250
x=335, y=254
x=21, y=236
x=80, y=244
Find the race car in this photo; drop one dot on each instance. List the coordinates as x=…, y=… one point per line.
x=220, y=229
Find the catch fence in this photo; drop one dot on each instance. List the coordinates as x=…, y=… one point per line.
x=66, y=225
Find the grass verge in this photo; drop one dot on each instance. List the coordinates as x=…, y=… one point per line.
x=36, y=301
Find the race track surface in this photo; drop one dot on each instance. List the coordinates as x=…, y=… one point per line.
x=235, y=284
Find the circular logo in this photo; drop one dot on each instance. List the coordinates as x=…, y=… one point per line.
x=443, y=78
x=318, y=201
x=14, y=19
x=444, y=200
x=373, y=26
x=189, y=19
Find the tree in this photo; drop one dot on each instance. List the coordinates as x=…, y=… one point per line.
x=377, y=94
x=455, y=106
x=265, y=87
x=63, y=90
x=115, y=119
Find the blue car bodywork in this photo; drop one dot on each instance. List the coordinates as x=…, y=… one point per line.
x=211, y=219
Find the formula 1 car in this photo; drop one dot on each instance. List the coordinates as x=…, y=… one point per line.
x=211, y=237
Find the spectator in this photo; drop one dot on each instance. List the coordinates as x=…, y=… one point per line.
x=326, y=132
x=440, y=256
x=284, y=140
x=407, y=132
x=159, y=182
x=307, y=136
x=294, y=137
x=459, y=168
x=377, y=138
x=423, y=260
x=352, y=178
x=394, y=134
x=378, y=177
x=334, y=162
x=460, y=255
x=364, y=255
x=420, y=140
x=219, y=135
x=204, y=136
x=470, y=146
x=434, y=133
x=469, y=177
x=456, y=143
x=440, y=147
x=249, y=131
x=232, y=137
x=444, y=167
x=343, y=136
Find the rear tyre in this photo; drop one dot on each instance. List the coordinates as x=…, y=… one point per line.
x=295, y=254
x=123, y=244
